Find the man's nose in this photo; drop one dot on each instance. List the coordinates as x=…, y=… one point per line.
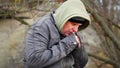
x=75, y=29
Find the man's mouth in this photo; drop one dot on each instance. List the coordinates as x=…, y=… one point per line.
x=67, y=33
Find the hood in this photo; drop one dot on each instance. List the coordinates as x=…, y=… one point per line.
x=69, y=9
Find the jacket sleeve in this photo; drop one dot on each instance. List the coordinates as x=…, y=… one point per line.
x=80, y=55
x=37, y=54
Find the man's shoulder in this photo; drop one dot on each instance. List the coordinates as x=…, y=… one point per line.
x=44, y=21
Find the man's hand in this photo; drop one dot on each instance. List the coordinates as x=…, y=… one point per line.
x=77, y=39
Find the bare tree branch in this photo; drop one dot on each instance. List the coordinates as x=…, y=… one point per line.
x=108, y=61
x=116, y=25
x=102, y=22
x=21, y=21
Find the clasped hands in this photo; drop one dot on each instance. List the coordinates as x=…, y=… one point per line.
x=77, y=39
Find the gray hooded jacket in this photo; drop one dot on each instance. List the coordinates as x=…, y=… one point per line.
x=45, y=47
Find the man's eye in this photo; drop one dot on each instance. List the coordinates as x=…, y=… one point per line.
x=74, y=24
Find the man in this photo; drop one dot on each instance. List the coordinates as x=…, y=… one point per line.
x=54, y=42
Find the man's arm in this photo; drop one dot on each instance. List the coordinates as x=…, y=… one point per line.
x=79, y=54
x=38, y=55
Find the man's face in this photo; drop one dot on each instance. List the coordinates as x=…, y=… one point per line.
x=70, y=27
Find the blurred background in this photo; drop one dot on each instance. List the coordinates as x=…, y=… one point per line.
x=101, y=39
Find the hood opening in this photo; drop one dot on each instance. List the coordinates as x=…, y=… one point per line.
x=80, y=20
